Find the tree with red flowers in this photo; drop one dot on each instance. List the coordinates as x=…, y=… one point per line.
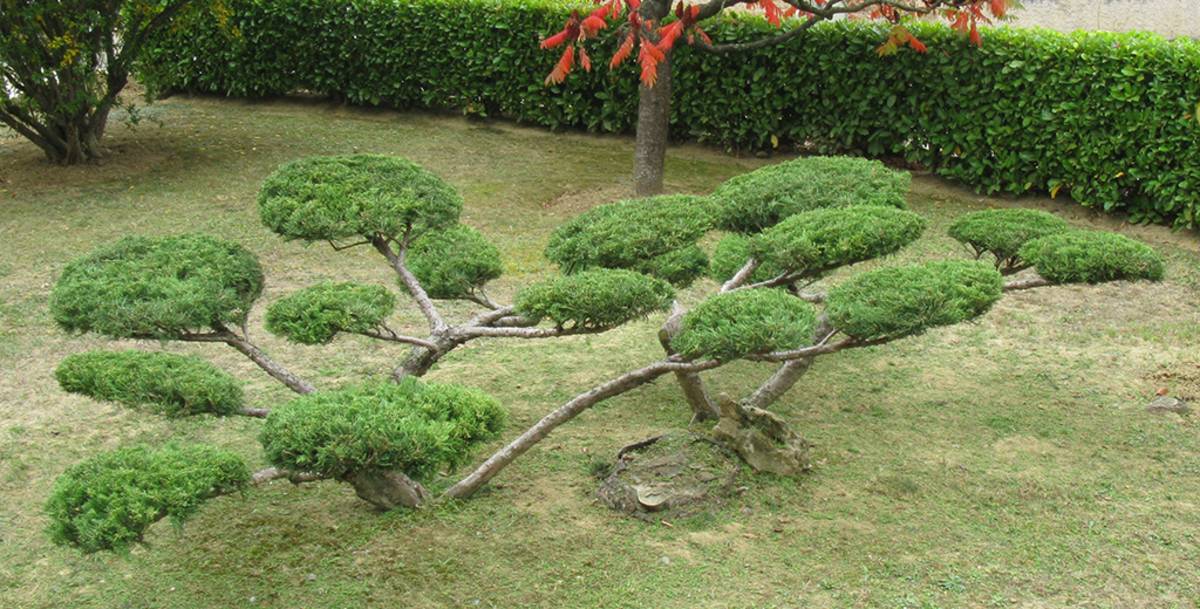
x=647, y=27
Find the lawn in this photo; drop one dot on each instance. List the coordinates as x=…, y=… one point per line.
x=1004, y=463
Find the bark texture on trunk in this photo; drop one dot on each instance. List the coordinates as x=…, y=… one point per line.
x=653, y=125
x=784, y=377
x=387, y=489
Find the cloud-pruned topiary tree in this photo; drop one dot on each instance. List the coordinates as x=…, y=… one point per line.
x=394, y=440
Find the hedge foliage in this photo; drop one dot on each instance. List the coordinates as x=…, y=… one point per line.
x=453, y=263
x=316, y=314
x=731, y=253
x=815, y=241
x=159, y=287
x=760, y=199
x=1092, y=257
x=594, y=299
x=108, y=501
x=900, y=301
x=326, y=198
x=742, y=322
x=1109, y=119
x=1002, y=232
x=411, y=426
x=174, y=385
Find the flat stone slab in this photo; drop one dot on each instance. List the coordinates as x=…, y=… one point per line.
x=1164, y=404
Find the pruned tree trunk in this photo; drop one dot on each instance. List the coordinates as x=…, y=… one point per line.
x=387, y=489
x=784, y=377
x=653, y=130
x=703, y=407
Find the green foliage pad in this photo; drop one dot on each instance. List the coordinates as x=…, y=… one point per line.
x=753, y=201
x=316, y=314
x=411, y=426
x=1092, y=257
x=594, y=299
x=734, y=324
x=108, y=501
x=1002, y=232
x=901, y=301
x=174, y=385
x=453, y=263
x=824, y=239
x=327, y=198
x=160, y=287
x=730, y=256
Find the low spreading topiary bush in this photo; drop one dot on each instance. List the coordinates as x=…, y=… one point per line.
x=1002, y=232
x=1092, y=257
x=384, y=438
x=173, y=385
x=813, y=241
x=901, y=301
x=411, y=426
x=597, y=298
x=329, y=198
x=316, y=314
x=762, y=198
x=108, y=501
x=744, y=322
x=454, y=263
x=157, y=287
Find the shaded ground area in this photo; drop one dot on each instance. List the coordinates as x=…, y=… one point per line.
x=1004, y=463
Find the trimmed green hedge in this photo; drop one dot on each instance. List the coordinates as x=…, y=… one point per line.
x=1109, y=119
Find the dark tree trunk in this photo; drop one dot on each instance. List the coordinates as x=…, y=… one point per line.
x=653, y=123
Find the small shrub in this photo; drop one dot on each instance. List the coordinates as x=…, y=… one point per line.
x=1002, y=232
x=597, y=298
x=174, y=385
x=1092, y=257
x=753, y=201
x=627, y=233
x=314, y=315
x=742, y=322
x=108, y=501
x=453, y=263
x=161, y=287
x=409, y=426
x=822, y=239
x=327, y=198
x=906, y=300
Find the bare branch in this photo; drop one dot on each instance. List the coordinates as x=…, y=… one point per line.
x=386, y=333
x=258, y=413
x=740, y=277
x=396, y=259
x=626, y=382
x=268, y=474
x=1027, y=284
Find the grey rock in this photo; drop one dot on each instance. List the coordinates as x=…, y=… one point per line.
x=1164, y=404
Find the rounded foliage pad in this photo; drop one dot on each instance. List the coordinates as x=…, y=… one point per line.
x=175, y=385
x=160, y=287
x=680, y=267
x=410, y=426
x=730, y=256
x=108, y=501
x=754, y=201
x=823, y=239
x=453, y=263
x=1092, y=257
x=316, y=314
x=743, y=322
x=359, y=195
x=594, y=299
x=901, y=301
x=1002, y=232
x=626, y=233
